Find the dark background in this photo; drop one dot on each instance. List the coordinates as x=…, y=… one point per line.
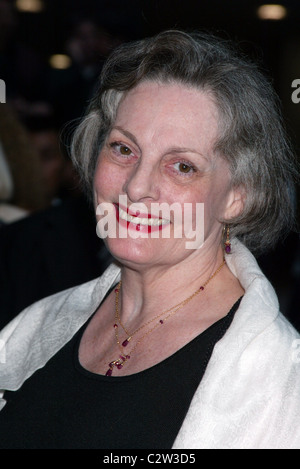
x=276, y=43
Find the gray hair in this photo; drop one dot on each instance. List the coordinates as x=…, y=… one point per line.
x=251, y=136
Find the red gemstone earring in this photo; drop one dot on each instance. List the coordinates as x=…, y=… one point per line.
x=227, y=244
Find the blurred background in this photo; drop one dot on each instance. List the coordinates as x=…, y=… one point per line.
x=51, y=53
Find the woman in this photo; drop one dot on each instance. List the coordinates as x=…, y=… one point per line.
x=176, y=345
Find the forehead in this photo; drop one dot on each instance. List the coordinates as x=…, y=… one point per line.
x=157, y=109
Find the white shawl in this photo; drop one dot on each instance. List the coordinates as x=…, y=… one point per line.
x=249, y=396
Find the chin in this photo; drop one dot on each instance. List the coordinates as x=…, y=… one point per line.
x=133, y=252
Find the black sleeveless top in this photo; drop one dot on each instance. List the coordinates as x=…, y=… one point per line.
x=64, y=406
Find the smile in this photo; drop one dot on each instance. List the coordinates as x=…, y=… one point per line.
x=140, y=222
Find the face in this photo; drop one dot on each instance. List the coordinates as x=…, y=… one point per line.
x=46, y=143
x=160, y=151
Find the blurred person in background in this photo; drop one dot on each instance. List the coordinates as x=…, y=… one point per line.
x=26, y=193
x=48, y=238
x=8, y=211
x=44, y=135
x=69, y=90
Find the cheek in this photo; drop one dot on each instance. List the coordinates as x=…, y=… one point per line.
x=107, y=179
x=212, y=197
x=216, y=202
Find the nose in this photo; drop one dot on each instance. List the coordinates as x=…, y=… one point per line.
x=142, y=182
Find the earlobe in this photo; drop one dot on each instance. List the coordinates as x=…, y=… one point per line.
x=236, y=203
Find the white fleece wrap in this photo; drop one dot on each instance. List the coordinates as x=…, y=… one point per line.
x=249, y=396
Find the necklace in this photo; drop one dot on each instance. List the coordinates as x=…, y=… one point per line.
x=160, y=319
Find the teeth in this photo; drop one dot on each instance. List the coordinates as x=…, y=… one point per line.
x=142, y=221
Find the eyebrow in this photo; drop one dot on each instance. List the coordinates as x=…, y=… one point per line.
x=127, y=134
x=184, y=150
x=171, y=150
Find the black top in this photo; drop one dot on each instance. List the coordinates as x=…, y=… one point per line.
x=64, y=406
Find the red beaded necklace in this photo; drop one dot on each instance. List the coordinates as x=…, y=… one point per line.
x=160, y=319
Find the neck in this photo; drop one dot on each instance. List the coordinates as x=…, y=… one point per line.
x=147, y=291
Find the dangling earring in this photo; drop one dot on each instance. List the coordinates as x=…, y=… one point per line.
x=227, y=244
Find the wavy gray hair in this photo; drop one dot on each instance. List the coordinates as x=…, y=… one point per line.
x=251, y=132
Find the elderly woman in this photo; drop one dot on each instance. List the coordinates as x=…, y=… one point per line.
x=177, y=345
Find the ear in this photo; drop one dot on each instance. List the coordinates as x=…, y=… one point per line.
x=235, y=202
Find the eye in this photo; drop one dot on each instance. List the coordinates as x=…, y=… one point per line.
x=183, y=167
x=124, y=150
x=121, y=149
